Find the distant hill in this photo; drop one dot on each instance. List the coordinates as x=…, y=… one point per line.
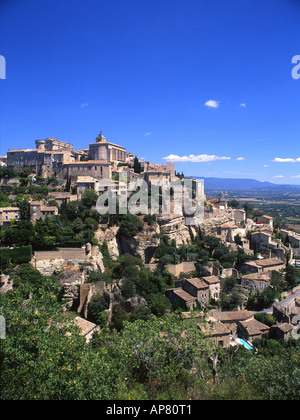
x=240, y=184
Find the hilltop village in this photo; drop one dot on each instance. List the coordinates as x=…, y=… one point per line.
x=233, y=271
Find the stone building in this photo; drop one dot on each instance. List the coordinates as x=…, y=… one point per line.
x=158, y=177
x=256, y=281
x=263, y=265
x=282, y=331
x=231, y=318
x=86, y=183
x=51, y=144
x=213, y=283
x=292, y=237
x=189, y=292
x=56, y=158
x=40, y=211
x=217, y=332
x=266, y=220
x=103, y=150
x=7, y=214
x=239, y=216
x=98, y=169
x=252, y=329
x=228, y=231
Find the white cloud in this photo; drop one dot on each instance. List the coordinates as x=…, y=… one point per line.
x=212, y=104
x=195, y=158
x=147, y=134
x=266, y=166
x=286, y=160
x=241, y=158
x=296, y=176
x=243, y=105
x=84, y=105
x=278, y=176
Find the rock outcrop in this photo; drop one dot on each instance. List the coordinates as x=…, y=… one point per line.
x=109, y=235
x=174, y=228
x=143, y=245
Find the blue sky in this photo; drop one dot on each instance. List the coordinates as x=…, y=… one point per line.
x=203, y=82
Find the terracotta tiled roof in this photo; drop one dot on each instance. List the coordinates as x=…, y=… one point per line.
x=200, y=284
x=232, y=315
x=269, y=262
x=184, y=295
x=284, y=327
x=254, y=327
x=211, y=279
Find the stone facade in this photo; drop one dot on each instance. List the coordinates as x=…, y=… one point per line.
x=256, y=281
x=39, y=211
x=106, y=151
x=86, y=258
x=7, y=214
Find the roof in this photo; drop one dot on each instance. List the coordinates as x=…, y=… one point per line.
x=254, y=327
x=49, y=208
x=200, y=284
x=9, y=209
x=229, y=226
x=104, y=141
x=269, y=262
x=257, y=276
x=232, y=315
x=36, y=203
x=211, y=279
x=86, y=179
x=285, y=327
x=89, y=162
x=84, y=325
x=262, y=232
x=215, y=328
x=265, y=217
x=184, y=295
x=22, y=150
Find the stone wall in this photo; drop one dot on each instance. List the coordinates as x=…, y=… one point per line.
x=184, y=267
x=85, y=258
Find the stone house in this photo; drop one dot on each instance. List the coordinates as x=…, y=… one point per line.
x=197, y=288
x=228, y=231
x=239, y=216
x=40, y=211
x=252, y=329
x=86, y=183
x=293, y=237
x=99, y=169
x=217, y=332
x=256, y=281
x=261, y=240
x=281, y=331
x=185, y=300
x=7, y=214
x=62, y=197
x=213, y=283
x=158, y=177
x=189, y=293
x=263, y=265
x=266, y=220
x=231, y=318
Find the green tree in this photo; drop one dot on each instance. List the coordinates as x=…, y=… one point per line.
x=137, y=167
x=130, y=226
